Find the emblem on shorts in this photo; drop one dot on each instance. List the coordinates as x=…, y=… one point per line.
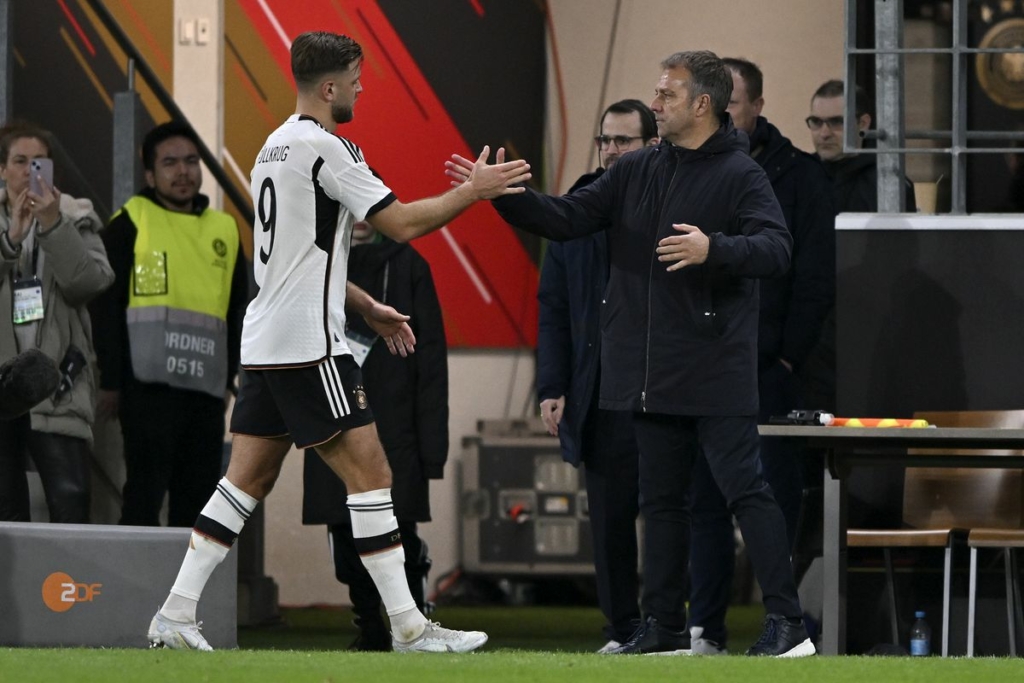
x=361, y=398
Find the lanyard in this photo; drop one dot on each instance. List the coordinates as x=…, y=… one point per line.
x=35, y=258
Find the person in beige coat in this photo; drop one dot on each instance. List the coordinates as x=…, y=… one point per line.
x=52, y=263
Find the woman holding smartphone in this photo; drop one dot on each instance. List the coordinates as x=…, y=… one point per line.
x=52, y=263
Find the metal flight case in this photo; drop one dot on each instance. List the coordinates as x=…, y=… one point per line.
x=523, y=509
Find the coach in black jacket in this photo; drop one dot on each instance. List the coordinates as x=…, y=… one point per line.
x=692, y=224
x=793, y=311
x=410, y=404
x=573, y=280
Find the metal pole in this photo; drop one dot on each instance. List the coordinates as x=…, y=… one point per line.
x=127, y=107
x=6, y=50
x=850, y=142
x=889, y=105
x=958, y=182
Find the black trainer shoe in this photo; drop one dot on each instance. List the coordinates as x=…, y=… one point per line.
x=651, y=638
x=373, y=637
x=782, y=637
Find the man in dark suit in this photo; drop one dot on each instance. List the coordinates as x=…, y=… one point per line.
x=573, y=279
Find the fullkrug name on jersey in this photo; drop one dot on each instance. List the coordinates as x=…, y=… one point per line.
x=278, y=153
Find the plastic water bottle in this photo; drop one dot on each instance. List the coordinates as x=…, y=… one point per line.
x=920, y=637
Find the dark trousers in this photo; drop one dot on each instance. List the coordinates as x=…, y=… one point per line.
x=712, y=546
x=670, y=448
x=173, y=444
x=63, y=466
x=349, y=570
x=611, y=469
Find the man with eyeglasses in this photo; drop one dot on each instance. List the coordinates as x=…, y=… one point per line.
x=573, y=279
x=854, y=189
x=854, y=176
x=793, y=308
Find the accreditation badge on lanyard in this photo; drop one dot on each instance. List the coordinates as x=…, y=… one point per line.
x=360, y=345
x=28, y=300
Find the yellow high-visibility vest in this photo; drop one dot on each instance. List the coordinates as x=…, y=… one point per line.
x=179, y=294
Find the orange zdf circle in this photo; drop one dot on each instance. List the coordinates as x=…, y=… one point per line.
x=59, y=592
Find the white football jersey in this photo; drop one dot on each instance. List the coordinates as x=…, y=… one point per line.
x=308, y=187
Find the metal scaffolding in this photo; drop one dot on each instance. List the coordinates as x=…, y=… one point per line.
x=890, y=133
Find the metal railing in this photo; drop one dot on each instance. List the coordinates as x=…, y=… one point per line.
x=890, y=134
x=241, y=202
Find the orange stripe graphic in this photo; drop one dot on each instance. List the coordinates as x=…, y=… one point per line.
x=80, y=58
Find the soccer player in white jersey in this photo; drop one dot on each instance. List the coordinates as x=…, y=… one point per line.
x=301, y=384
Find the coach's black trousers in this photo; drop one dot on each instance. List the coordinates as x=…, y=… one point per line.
x=712, y=545
x=669, y=448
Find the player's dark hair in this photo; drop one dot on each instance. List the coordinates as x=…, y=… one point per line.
x=317, y=53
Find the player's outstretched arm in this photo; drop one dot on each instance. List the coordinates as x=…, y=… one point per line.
x=382, y=319
x=403, y=222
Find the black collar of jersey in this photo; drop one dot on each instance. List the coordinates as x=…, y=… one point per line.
x=307, y=117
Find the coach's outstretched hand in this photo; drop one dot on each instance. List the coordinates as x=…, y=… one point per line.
x=459, y=168
x=488, y=181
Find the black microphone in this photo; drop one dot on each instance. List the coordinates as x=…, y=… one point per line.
x=25, y=380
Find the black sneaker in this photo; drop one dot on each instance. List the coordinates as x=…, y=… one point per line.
x=373, y=637
x=651, y=638
x=782, y=637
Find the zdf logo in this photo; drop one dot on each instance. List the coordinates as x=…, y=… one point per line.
x=61, y=592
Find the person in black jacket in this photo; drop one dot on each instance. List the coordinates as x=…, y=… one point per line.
x=410, y=399
x=854, y=180
x=692, y=224
x=793, y=310
x=572, y=282
x=854, y=176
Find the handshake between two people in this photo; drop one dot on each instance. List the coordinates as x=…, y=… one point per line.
x=689, y=247
x=489, y=181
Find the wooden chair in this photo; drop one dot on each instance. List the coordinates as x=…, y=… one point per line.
x=942, y=505
x=1006, y=540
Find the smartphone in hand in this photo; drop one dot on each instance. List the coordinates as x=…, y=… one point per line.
x=40, y=167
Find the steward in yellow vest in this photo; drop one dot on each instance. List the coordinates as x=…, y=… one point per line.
x=178, y=296
x=168, y=332
x=179, y=293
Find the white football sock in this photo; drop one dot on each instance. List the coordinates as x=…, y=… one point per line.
x=379, y=544
x=215, y=531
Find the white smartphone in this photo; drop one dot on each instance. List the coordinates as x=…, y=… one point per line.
x=40, y=167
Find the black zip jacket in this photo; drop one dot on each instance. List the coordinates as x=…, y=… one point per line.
x=855, y=184
x=794, y=306
x=682, y=342
x=408, y=396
